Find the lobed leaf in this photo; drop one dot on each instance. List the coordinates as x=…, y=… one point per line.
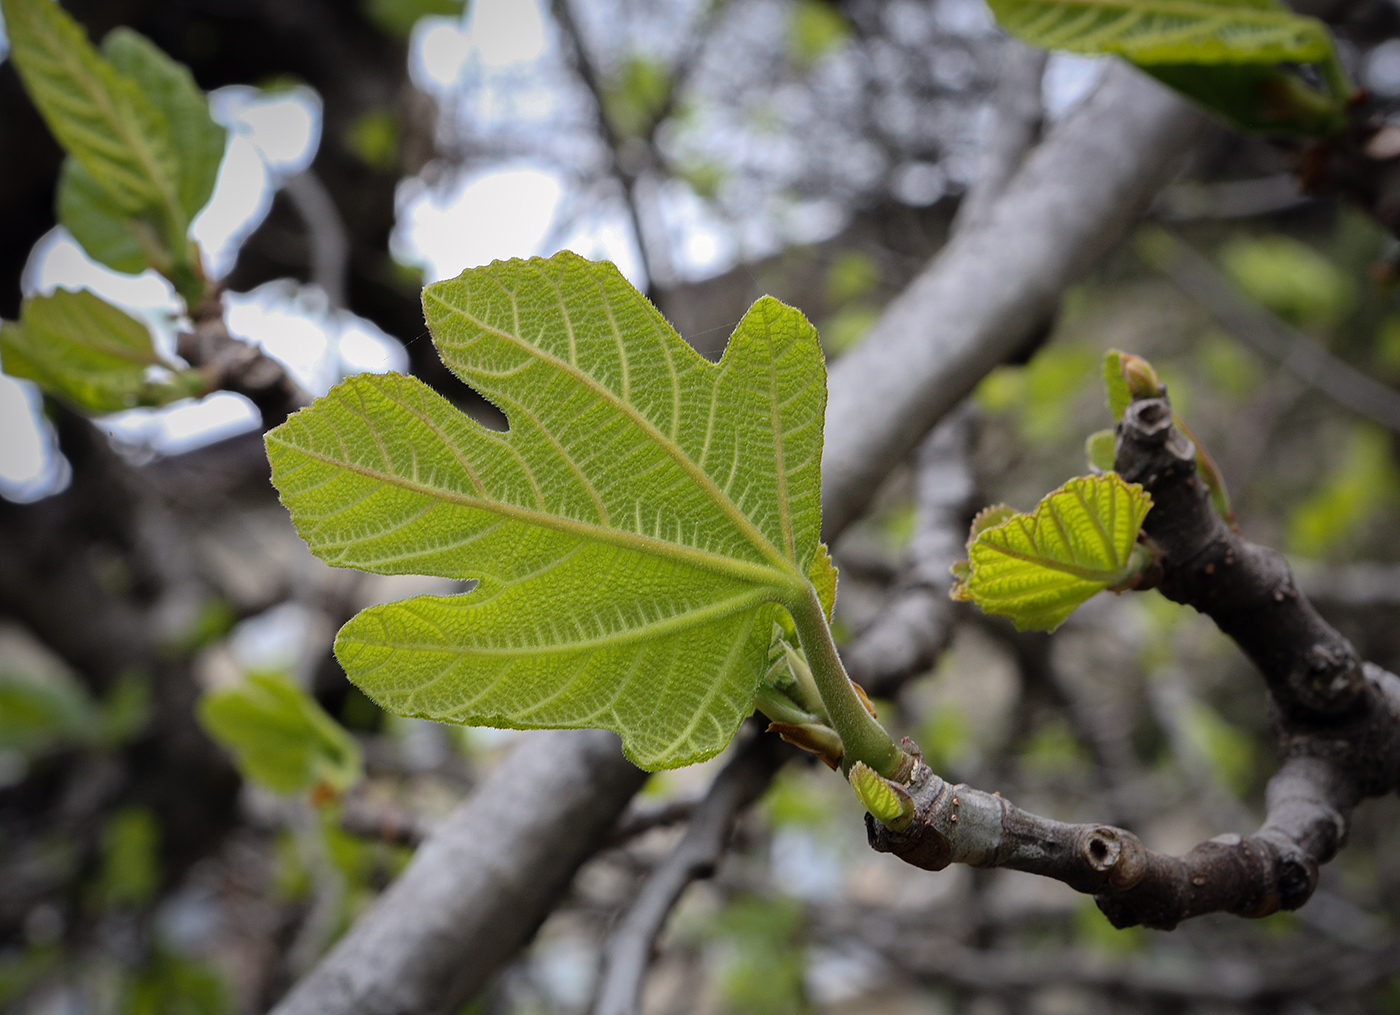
x=1037, y=568
x=1151, y=32
x=631, y=535
x=279, y=736
x=87, y=352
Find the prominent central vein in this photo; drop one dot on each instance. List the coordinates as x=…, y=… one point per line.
x=780, y=579
x=673, y=450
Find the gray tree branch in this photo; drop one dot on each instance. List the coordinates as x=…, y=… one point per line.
x=437, y=934
x=984, y=294
x=1335, y=715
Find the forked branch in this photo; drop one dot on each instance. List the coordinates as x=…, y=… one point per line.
x=1336, y=718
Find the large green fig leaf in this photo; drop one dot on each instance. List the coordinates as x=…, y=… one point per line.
x=1169, y=31
x=1037, y=568
x=632, y=534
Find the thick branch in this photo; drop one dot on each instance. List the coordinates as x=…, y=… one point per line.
x=628, y=951
x=1338, y=721
x=477, y=889
x=980, y=299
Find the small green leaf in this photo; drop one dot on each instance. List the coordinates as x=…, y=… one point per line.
x=1169, y=31
x=124, y=241
x=87, y=352
x=279, y=736
x=632, y=534
x=98, y=115
x=144, y=152
x=197, y=141
x=987, y=518
x=1099, y=448
x=888, y=802
x=1080, y=540
x=1119, y=397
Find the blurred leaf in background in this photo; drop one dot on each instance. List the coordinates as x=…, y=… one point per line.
x=1290, y=278
x=129, y=871
x=762, y=972
x=279, y=736
x=1363, y=482
x=397, y=17
x=816, y=29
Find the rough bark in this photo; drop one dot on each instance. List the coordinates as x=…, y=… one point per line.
x=1337, y=719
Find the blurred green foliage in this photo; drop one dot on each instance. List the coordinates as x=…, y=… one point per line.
x=397, y=17
x=762, y=972
x=1039, y=394
x=816, y=29
x=1290, y=278
x=373, y=137
x=279, y=736
x=129, y=861
x=41, y=715
x=1361, y=483
x=636, y=95
x=171, y=984
x=1230, y=750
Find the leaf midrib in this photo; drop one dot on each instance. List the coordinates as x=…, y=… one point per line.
x=715, y=610
x=697, y=475
x=1051, y=564
x=1188, y=8
x=776, y=580
x=68, y=59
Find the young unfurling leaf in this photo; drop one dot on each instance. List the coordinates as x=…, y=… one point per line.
x=281, y=738
x=888, y=802
x=92, y=355
x=1036, y=568
x=632, y=535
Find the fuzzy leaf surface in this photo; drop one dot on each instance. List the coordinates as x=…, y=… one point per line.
x=89, y=353
x=631, y=534
x=1168, y=31
x=1037, y=568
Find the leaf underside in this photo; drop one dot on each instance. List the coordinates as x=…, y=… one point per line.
x=1168, y=31
x=1037, y=568
x=631, y=534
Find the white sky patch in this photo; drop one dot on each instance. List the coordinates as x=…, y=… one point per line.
x=29, y=469
x=184, y=426
x=241, y=199
x=507, y=32
x=285, y=126
x=1069, y=78
x=497, y=214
